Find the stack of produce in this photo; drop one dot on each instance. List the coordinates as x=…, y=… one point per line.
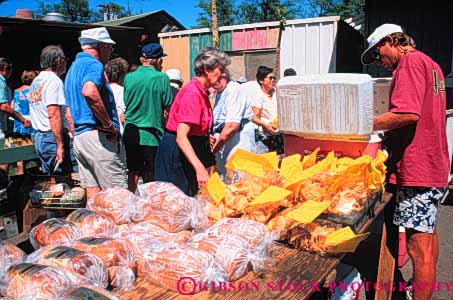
x=87, y=293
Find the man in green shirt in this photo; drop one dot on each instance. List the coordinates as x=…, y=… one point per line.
x=147, y=94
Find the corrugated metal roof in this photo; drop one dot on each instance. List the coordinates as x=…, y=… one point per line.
x=129, y=19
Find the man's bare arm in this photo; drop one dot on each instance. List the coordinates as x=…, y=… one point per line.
x=390, y=120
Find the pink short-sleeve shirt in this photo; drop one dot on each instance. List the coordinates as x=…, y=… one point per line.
x=191, y=106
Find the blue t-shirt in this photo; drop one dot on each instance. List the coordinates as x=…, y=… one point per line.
x=87, y=68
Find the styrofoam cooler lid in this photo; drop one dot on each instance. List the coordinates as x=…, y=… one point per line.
x=330, y=78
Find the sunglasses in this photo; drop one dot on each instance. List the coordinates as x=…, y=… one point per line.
x=271, y=77
x=375, y=54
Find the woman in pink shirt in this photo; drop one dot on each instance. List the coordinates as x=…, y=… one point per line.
x=184, y=153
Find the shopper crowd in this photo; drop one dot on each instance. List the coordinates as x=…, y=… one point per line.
x=116, y=123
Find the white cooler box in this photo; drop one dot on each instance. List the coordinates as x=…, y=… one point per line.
x=329, y=106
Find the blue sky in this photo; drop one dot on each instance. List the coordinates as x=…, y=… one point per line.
x=183, y=10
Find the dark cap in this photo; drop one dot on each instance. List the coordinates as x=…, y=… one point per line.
x=153, y=50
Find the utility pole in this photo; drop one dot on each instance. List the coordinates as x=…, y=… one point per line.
x=215, y=27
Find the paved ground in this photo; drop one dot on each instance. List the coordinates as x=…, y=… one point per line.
x=445, y=265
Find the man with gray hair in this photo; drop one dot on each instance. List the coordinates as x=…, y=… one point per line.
x=88, y=94
x=228, y=120
x=49, y=115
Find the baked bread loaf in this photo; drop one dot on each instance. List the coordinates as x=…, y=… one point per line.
x=72, y=261
x=231, y=252
x=116, y=203
x=54, y=232
x=166, y=264
x=91, y=223
x=88, y=293
x=169, y=208
x=113, y=253
x=37, y=282
x=9, y=255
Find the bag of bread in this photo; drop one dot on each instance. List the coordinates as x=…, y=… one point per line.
x=116, y=203
x=157, y=187
x=153, y=231
x=115, y=254
x=91, y=223
x=37, y=282
x=259, y=239
x=9, y=256
x=170, y=208
x=88, y=293
x=54, y=232
x=232, y=252
x=73, y=261
x=166, y=264
x=141, y=236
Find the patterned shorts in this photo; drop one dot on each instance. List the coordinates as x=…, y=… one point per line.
x=416, y=208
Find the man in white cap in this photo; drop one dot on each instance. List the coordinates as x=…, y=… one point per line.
x=175, y=80
x=418, y=163
x=88, y=94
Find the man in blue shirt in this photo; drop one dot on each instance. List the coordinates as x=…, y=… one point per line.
x=88, y=94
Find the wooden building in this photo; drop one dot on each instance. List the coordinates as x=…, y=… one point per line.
x=310, y=46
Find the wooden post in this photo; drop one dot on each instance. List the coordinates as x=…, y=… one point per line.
x=215, y=28
x=279, y=41
x=386, y=269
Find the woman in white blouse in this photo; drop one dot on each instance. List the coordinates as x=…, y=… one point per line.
x=264, y=108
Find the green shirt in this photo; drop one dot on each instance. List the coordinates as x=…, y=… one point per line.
x=146, y=93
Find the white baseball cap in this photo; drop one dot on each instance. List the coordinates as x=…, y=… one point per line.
x=174, y=74
x=95, y=35
x=374, y=38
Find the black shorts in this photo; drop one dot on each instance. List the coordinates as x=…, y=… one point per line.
x=138, y=157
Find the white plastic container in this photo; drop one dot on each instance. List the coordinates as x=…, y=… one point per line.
x=326, y=105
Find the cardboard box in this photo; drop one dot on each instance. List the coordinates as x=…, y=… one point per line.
x=8, y=226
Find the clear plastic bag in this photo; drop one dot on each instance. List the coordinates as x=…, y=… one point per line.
x=88, y=293
x=36, y=282
x=169, y=208
x=72, y=261
x=9, y=255
x=141, y=236
x=231, y=252
x=92, y=223
x=54, y=232
x=116, y=203
x=258, y=238
x=114, y=253
x=167, y=264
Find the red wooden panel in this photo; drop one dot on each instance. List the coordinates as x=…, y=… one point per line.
x=254, y=39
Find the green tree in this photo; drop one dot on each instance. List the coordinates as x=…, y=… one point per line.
x=225, y=13
x=251, y=11
x=343, y=8
x=74, y=10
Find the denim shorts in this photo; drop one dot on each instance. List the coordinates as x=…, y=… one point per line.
x=46, y=148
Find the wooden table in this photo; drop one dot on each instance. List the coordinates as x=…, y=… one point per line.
x=294, y=275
